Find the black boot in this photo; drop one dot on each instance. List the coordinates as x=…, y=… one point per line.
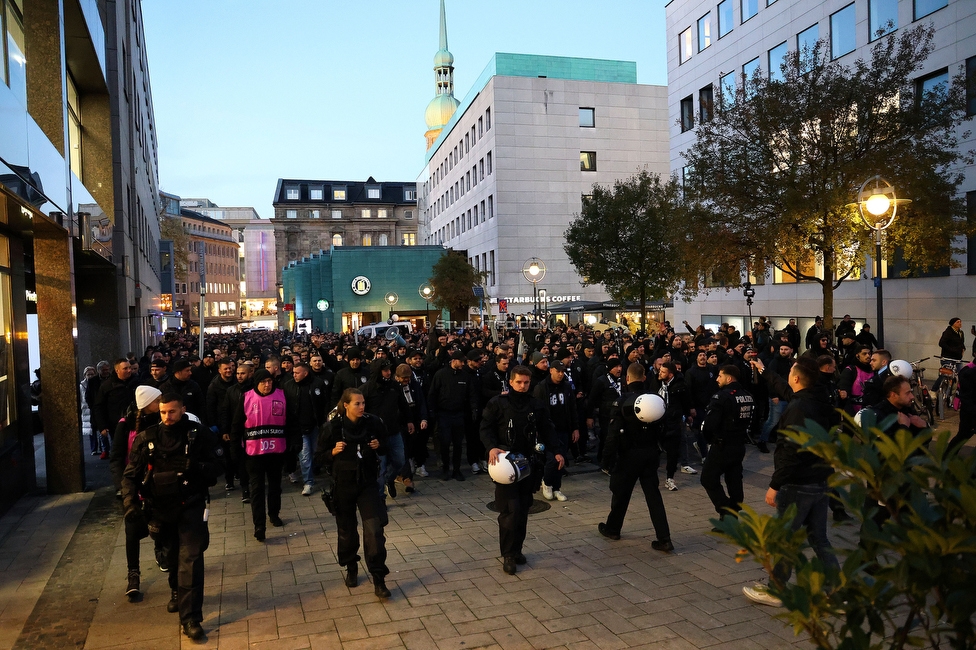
x=352, y=575
x=193, y=630
x=379, y=588
x=173, y=605
x=132, y=590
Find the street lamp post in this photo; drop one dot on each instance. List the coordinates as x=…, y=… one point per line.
x=749, y=293
x=427, y=293
x=534, y=270
x=878, y=206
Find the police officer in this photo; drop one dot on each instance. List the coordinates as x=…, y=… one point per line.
x=633, y=454
x=726, y=427
x=515, y=421
x=172, y=465
x=348, y=447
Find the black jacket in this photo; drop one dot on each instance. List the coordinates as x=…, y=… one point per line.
x=186, y=449
x=728, y=415
x=357, y=462
x=701, y=384
x=216, y=392
x=192, y=394
x=348, y=378
x=561, y=401
x=451, y=392
x=511, y=422
x=952, y=344
x=626, y=434
x=112, y=401
x=384, y=399
x=305, y=402
x=792, y=466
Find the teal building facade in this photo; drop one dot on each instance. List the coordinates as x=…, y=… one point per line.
x=347, y=287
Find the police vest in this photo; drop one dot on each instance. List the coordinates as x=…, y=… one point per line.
x=264, y=423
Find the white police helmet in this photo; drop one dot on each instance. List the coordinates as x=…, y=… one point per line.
x=649, y=407
x=901, y=368
x=510, y=468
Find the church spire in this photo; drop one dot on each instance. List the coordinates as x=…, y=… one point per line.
x=442, y=107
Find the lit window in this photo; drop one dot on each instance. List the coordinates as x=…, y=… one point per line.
x=337, y=214
x=588, y=161
x=365, y=213
x=587, y=117
x=372, y=192
x=315, y=194
x=705, y=104
x=749, y=9
x=842, y=32
x=381, y=213
x=882, y=17
x=367, y=239
x=409, y=239
x=291, y=193
x=725, y=21
x=339, y=193
x=704, y=31
x=337, y=239
x=684, y=46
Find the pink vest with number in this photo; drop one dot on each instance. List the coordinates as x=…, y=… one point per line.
x=264, y=423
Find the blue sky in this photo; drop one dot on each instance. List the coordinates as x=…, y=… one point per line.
x=248, y=92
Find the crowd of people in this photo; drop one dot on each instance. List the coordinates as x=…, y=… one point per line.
x=364, y=420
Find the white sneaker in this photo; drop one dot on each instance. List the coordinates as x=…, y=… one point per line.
x=688, y=469
x=547, y=492
x=307, y=490
x=670, y=484
x=759, y=593
x=295, y=477
x=421, y=472
x=559, y=496
x=475, y=468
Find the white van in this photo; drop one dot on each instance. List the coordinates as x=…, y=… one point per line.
x=379, y=330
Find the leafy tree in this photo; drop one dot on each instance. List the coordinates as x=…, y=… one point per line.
x=172, y=228
x=453, y=278
x=906, y=582
x=632, y=239
x=781, y=161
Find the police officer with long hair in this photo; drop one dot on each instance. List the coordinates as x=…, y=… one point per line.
x=348, y=448
x=515, y=422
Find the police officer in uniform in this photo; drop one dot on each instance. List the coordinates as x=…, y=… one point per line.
x=172, y=465
x=516, y=421
x=634, y=454
x=726, y=427
x=348, y=447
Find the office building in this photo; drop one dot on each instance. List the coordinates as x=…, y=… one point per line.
x=709, y=40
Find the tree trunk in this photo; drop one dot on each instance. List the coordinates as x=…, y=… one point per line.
x=643, y=299
x=828, y=296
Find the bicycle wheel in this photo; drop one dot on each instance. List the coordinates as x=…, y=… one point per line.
x=941, y=399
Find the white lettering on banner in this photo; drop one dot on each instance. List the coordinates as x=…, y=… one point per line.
x=530, y=300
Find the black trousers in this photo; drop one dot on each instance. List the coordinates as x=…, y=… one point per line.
x=186, y=539
x=262, y=470
x=513, y=502
x=472, y=435
x=671, y=445
x=450, y=431
x=352, y=494
x=637, y=465
x=724, y=458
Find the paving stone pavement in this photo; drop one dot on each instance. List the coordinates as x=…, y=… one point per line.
x=578, y=590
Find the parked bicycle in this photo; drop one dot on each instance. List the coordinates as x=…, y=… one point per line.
x=924, y=404
x=945, y=385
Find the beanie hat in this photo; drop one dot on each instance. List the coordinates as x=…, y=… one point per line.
x=953, y=321
x=536, y=358
x=261, y=375
x=146, y=395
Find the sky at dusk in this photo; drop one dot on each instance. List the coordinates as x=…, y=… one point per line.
x=246, y=92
